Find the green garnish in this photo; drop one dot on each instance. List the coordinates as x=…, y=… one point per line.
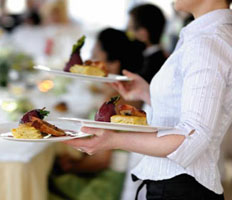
x=79, y=44
x=114, y=100
x=43, y=113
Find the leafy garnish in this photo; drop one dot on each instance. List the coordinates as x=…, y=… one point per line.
x=43, y=113
x=79, y=44
x=114, y=100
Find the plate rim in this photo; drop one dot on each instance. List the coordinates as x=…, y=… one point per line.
x=10, y=125
x=83, y=76
x=52, y=139
x=126, y=126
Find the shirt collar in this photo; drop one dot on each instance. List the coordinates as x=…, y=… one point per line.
x=207, y=22
x=150, y=50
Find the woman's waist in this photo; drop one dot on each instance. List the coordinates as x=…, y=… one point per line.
x=156, y=168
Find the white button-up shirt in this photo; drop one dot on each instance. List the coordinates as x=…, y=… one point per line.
x=193, y=91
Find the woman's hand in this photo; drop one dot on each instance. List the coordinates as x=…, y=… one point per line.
x=135, y=90
x=101, y=141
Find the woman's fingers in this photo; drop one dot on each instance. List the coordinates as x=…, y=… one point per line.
x=114, y=85
x=93, y=144
x=128, y=73
x=92, y=131
x=122, y=89
x=77, y=142
x=95, y=131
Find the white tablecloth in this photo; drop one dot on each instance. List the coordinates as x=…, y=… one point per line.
x=18, y=151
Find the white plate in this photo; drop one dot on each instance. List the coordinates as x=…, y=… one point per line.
x=115, y=126
x=110, y=78
x=5, y=132
x=9, y=136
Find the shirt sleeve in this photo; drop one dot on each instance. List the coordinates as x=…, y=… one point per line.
x=204, y=82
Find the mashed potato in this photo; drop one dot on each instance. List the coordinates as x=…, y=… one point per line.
x=25, y=131
x=87, y=70
x=122, y=119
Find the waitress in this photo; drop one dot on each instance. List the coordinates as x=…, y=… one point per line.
x=193, y=93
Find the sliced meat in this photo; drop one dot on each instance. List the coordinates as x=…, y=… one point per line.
x=130, y=111
x=45, y=127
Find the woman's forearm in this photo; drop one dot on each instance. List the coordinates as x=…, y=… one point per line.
x=147, y=143
x=143, y=143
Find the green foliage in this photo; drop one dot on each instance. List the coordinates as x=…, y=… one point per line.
x=70, y=185
x=61, y=85
x=21, y=61
x=52, y=196
x=23, y=105
x=4, y=71
x=107, y=185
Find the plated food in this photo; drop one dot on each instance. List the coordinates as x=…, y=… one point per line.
x=76, y=65
x=122, y=114
x=118, y=117
x=114, y=126
x=75, y=57
x=32, y=126
x=88, y=70
x=128, y=114
x=92, y=68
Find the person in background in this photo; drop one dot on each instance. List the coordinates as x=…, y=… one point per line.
x=55, y=12
x=115, y=49
x=32, y=17
x=146, y=24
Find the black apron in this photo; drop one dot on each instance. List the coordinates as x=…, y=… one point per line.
x=181, y=187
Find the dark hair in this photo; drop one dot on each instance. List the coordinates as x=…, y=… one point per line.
x=151, y=18
x=34, y=17
x=229, y=1
x=118, y=47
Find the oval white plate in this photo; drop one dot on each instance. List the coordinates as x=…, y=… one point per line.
x=110, y=78
x=5, y=132
x=115, y=126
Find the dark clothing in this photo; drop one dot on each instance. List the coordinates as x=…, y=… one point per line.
x=182, y=187
x=152, y=64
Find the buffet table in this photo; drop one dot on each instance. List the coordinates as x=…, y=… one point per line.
x=24, y=169
x=26, y=180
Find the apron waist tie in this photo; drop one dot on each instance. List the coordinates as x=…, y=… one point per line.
x=134, y=178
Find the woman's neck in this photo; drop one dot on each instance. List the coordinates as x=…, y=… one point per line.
x=208, y=7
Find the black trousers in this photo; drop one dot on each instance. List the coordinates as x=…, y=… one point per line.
x=182, y=187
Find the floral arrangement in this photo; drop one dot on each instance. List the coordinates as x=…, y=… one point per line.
x=12, y=60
